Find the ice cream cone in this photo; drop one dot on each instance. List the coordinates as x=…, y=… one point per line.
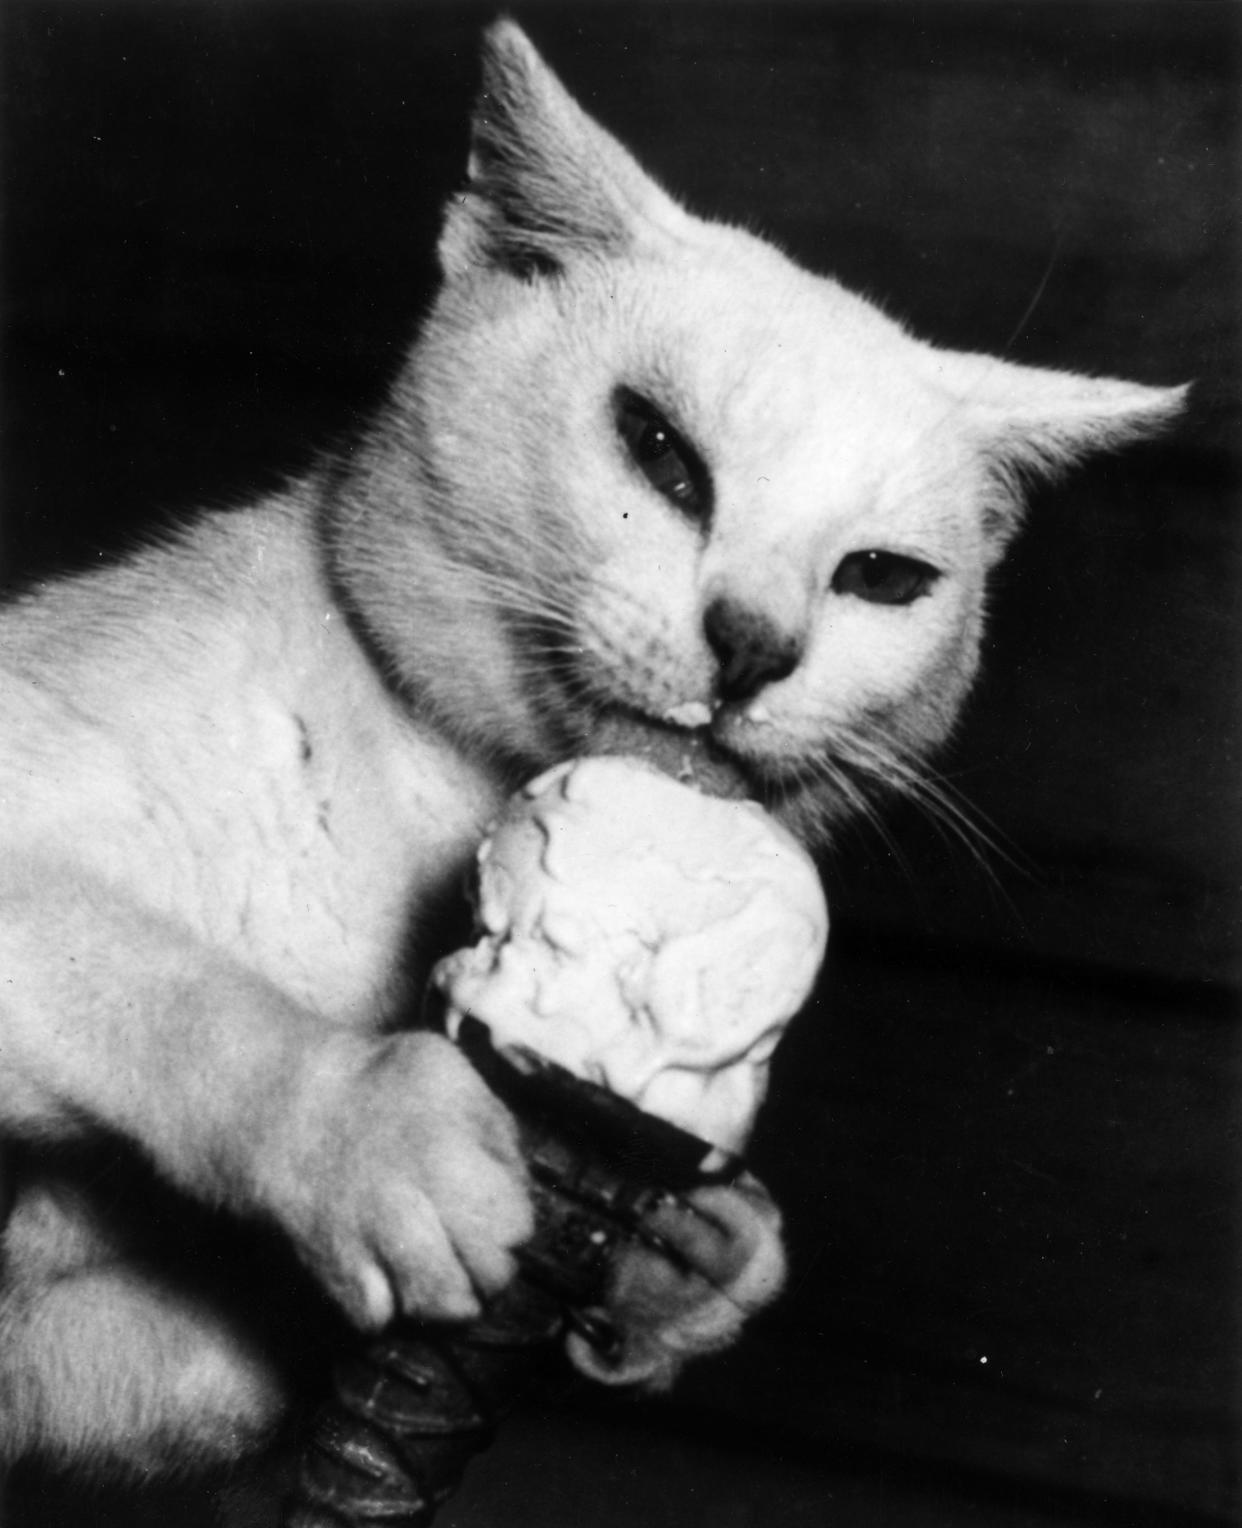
x=645, y=937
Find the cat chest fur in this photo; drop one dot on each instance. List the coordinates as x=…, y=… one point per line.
x=260, y=785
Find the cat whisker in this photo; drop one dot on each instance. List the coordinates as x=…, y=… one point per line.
x=869, y=813
x=519, y=604
x=955, y=818
x=554, y=675
x=834, y=796
x=491, y=587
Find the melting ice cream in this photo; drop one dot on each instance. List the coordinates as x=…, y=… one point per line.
x=646, y=937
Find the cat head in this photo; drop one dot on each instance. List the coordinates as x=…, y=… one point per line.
x=642, y=462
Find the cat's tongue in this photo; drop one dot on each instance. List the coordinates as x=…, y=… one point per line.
x=644, y=935
x=688, y=756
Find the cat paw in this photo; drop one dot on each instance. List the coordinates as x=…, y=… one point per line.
x=725, y=1261
x=402, y=1183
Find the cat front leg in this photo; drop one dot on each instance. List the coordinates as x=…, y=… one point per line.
x=723, y=1261
x=106, y=1368
x=386, y=1161
x=399, y=1178
x=105, y=1364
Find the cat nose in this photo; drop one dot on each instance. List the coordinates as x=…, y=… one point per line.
x=750, y=647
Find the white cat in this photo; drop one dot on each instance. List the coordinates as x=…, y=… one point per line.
x=636, y=462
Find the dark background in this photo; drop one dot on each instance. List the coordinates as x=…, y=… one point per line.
x=1005, y=1138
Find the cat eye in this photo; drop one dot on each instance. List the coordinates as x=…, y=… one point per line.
x=884, y=578
x=665, y=459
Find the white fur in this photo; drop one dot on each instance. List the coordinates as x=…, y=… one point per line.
x=241, y=773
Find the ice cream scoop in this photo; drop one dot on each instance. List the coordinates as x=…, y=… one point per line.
x=644, y=936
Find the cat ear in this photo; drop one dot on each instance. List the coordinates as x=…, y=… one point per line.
x=544, y=181
x=1039, y=421
x=1033, y=423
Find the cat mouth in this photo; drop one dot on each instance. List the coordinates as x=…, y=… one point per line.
x=680, y=742
x=697, y=756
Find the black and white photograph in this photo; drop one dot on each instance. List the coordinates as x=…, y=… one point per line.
x=620, y=834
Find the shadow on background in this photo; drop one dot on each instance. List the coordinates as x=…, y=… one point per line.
x=1005, y=1137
